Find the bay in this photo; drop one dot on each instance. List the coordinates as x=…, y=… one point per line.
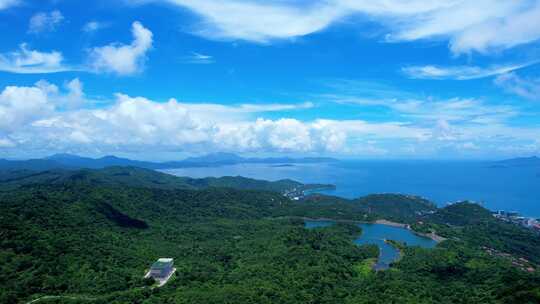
x=497, y=188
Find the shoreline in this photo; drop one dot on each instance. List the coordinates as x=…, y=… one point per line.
x=432, y=236
x=437, y=238
x=393, y=224
x=439, y=203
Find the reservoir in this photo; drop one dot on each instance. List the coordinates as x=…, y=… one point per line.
x=376, y=234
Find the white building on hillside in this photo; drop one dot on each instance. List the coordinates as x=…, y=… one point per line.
x=162, y=268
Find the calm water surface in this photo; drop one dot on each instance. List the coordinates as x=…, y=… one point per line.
x=516, y=188
x=376, y=234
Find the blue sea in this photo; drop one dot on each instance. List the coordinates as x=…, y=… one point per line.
x=497, y=188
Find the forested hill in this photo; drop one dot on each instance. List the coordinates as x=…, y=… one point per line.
x=464, y=221
x=461, y=214
x=474, y=224
x=88, y=236
x=138, y=177
x=397, y=207
x=81, y=236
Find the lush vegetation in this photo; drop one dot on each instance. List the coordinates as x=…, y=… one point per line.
x=95, y=240
x=89, y=236
x=475, y=225
x=461, y=214
x=396, y=207
x=138, y=177
x=450, y=273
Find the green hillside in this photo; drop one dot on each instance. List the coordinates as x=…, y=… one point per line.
x=461, y=214
x=89, y=236
x=136, y=177
x=396, y=207
x=98, y=240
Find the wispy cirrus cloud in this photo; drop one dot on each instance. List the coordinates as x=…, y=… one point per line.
x=429, y=109
x=481, y=26
x=465, y=126
x=45, y=22
x=28, y=61
x=463, y=72
x=198, y=58
x=4, y=4
x=258, y=21
x=418, y=110
x=528, y=88
x=94, y=26
x=239, y=111
x=6, y=143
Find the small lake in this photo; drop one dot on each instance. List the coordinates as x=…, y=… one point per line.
x=376, y=234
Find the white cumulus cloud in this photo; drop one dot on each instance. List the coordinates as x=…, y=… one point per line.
x=46, y=116
x=120, y=58
x=20, y=106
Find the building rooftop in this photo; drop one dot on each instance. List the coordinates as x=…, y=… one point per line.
x=162, y=263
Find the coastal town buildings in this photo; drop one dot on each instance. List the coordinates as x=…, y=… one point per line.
x=517, y=219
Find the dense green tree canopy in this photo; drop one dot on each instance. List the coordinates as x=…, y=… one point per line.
x=89, y=237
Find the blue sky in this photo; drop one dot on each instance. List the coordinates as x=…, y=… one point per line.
x=162, y=79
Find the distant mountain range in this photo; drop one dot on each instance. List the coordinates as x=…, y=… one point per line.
x=69, y=161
